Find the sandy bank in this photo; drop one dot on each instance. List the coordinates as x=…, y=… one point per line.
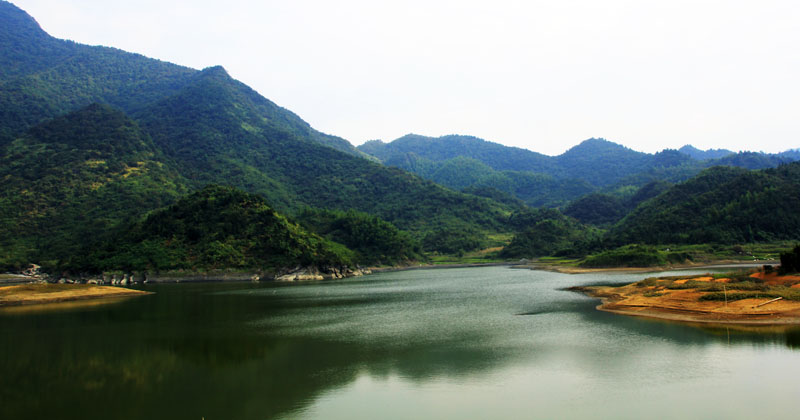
x=37, y=294
x=651, y=300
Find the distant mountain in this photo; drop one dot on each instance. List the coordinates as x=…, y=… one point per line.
x=698, y=154
x=594, y=165
x=752, y=160
x=793, y=154
x=464, y=162
x=494, y=155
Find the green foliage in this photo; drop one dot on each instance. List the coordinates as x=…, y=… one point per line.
x=788, y=294
x=72, y=180
x=217, y=227
x=596, y=209
x=220, y=131
x=546, y=232
x=375, y=241
x=454, y=240
x=721, y=205
x=627, y=256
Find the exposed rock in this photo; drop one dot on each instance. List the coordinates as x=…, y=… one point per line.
x=301, y=274
x=33, y=271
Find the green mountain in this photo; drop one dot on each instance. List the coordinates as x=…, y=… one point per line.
x=71, y=180
x=42, y=77
x=593, y=166
x=601, y=162
x=596, y=161
x=494, y=155
x=199, y=128
x=723, y=205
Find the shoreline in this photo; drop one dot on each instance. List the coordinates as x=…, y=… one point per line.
x=692, y=266
x=47, y=294
x=609, y=304
x=684, y=299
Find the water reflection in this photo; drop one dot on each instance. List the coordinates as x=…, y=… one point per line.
x=242, y=351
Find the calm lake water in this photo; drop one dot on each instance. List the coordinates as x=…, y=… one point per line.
x=474, y=343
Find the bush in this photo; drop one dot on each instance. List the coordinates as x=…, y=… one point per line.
x=627, y=256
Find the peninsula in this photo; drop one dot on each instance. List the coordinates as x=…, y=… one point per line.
x=749, y=298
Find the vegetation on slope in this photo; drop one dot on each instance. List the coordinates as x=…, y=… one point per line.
x=71, y=180
x=216, y=227
x=375, y=241
x=721, y=205
x=546, y=232
x=216, y=133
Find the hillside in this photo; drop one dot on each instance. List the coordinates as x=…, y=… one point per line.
x=42, y=77
x=722, y=205
x=199, y=127
x=216, y=227
x=78, y=176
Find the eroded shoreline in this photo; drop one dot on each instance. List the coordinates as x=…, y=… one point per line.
x=687, y=300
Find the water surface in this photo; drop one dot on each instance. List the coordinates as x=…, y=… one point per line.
x=490, y=342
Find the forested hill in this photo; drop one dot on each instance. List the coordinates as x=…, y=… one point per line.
x=75, y=178
x=722, y=204
x=191, y=128
x=494, y=155
x=597, y=161
x=216, y=227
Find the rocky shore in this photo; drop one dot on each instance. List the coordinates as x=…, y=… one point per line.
x=121, y=278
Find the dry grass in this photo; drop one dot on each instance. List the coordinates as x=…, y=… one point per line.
x=29, y=294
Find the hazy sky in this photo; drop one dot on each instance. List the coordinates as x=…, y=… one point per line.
x=543, y=75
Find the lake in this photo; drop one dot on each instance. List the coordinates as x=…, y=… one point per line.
x=465, y=343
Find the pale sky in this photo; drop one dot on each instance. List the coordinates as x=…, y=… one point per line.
x=542, y=75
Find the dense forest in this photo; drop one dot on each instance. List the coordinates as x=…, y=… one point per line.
x=216, y=227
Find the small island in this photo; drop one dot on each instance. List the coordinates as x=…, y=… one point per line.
x=44, y=293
